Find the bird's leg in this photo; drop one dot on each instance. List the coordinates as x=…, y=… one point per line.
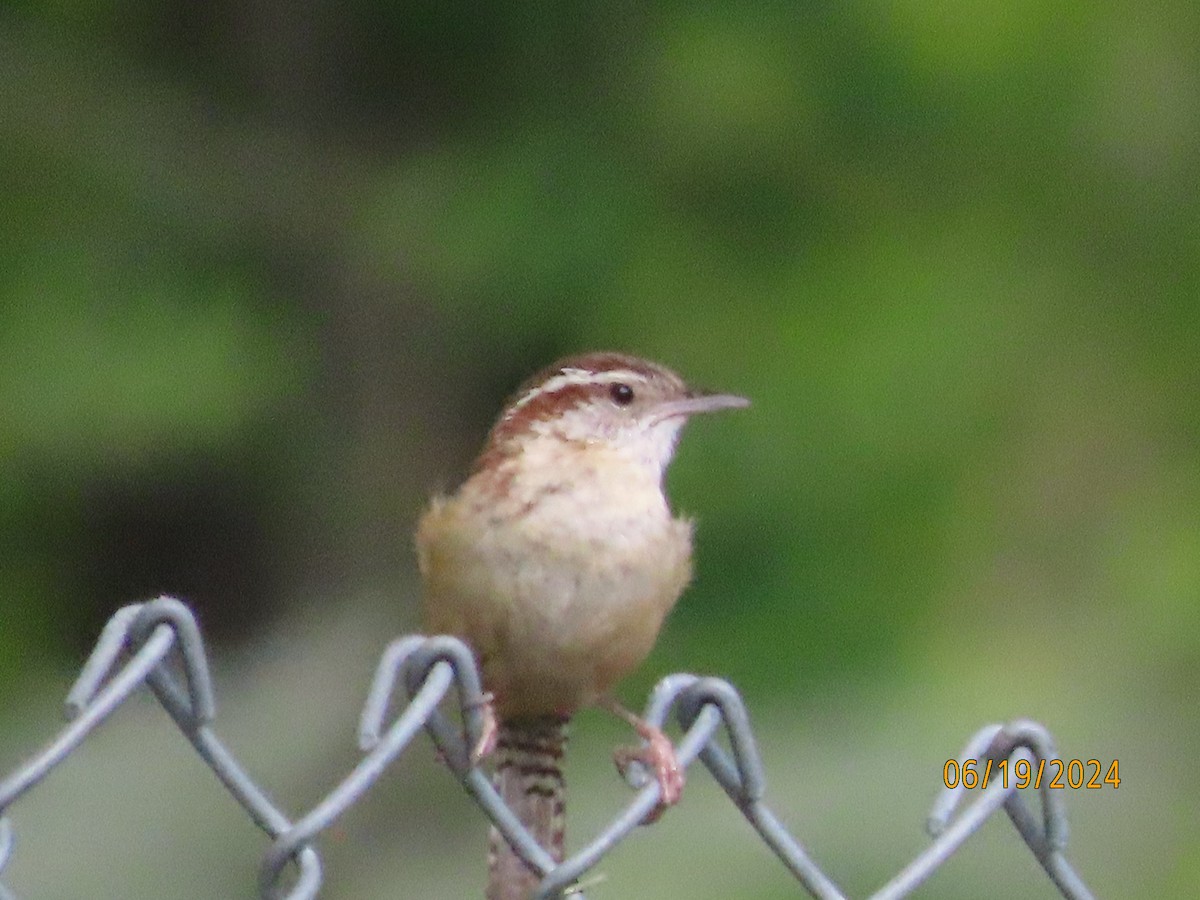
x=489, y=731
x=657, y=754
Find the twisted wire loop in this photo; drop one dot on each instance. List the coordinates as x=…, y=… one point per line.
x=158, y=644
x=1030, y=741
x=147, y=634
x=416, y=659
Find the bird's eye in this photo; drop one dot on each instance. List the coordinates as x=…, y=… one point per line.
x=621, y=393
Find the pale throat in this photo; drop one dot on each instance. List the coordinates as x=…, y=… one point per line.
x=649, y=445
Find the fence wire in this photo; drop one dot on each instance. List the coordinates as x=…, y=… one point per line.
x=153, y=643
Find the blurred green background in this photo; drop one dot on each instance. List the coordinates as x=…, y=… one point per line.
x=267, y=271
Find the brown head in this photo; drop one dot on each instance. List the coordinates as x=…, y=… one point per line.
x=631, y=404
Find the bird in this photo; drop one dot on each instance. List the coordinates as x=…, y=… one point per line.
x=556, y=561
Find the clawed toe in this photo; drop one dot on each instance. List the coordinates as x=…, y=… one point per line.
x=658, y=755
x=489, y=732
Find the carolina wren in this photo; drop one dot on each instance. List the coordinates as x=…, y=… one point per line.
x=557, y=560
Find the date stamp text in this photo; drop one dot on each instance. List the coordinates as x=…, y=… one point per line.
x=1056, y=774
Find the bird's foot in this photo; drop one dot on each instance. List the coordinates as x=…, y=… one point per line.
x=657, y=754
x=489, y=730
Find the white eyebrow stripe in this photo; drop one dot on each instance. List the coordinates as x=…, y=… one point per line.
x=571, y=376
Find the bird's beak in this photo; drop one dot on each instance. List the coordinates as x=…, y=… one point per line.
x=698, y=403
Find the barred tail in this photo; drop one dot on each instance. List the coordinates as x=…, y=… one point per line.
x=529, y=778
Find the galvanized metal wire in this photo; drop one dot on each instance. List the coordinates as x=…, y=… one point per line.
x=158, y=645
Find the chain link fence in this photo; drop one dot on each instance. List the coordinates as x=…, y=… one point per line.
x=158, y=644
